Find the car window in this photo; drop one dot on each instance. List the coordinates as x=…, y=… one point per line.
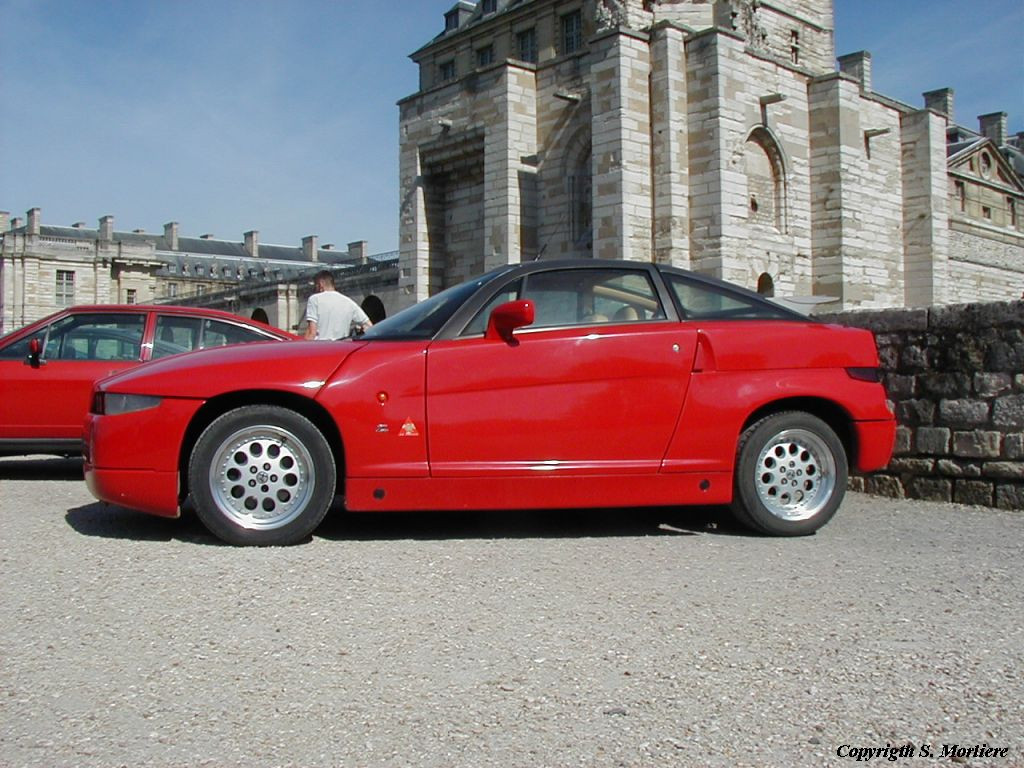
x=424, y=320
x=589, y=296
x=699, y=301
x=218, y=334
x=19, y=349
x=177, y=333
x=478, y=324
x=93, y=337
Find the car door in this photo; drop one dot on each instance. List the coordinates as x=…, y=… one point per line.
x=50, y=401
x=595, y=385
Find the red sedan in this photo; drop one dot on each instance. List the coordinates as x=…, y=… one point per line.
x=48, y=368
x=549, y=384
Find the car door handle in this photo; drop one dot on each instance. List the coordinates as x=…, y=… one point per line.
x=704, y=360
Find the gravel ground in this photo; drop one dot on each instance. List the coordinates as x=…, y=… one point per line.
x=598, y=638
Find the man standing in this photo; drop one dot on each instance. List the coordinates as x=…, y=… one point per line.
x=332, y=315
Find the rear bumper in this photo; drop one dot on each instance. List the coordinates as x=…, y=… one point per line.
x=875, y=440
x=143, y=489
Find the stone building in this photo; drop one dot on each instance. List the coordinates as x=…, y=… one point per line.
x=44, y=268
x=713, y=135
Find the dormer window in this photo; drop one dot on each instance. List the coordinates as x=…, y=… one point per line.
x=451, y=20
x=489, y=6
x=986, y=165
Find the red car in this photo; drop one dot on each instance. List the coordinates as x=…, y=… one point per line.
x=542, y=385
x=48, y=368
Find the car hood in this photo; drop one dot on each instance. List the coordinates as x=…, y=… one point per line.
x=302, y=367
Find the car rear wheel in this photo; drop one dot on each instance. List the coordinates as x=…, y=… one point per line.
x=790, y=474
x=262, y=475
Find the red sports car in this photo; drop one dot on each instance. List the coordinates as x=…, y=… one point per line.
x=549, y=384
x=48, y=368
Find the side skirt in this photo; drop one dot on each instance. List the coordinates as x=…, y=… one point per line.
x=546, y=492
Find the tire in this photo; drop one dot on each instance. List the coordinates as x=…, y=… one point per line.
x=790, y=476
x=262, y=475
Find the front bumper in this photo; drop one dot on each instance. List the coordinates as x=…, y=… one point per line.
x=132, y=459
x=143, y=489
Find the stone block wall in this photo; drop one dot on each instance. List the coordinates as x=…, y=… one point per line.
x=955, y=375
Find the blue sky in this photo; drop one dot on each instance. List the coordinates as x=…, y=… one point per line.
x=280, y=115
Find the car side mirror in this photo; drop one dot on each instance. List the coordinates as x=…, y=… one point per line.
x=35, y=352
x=505, y=318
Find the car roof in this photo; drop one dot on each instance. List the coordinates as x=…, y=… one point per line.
x=170, y=309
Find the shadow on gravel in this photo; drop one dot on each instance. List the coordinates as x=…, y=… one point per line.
x=112, y=522
x=49, y=468
x=529, y=524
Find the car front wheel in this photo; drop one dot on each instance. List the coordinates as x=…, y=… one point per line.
x=790, y=477
x=262, y=475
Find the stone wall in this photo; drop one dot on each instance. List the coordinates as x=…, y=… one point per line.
x=956, y=377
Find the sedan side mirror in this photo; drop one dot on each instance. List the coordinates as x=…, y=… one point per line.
x=35, y=351
x=505, y=318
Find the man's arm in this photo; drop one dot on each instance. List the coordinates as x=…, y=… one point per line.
x=310, y=330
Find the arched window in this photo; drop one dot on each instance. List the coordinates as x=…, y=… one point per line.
x=766, y=285
x=260, y=315
x=766, y=181
x=580, y=192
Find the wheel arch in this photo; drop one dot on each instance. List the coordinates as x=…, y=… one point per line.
x=833, y=414
x=218, y=406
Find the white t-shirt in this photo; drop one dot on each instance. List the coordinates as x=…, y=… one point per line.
x=334, y=315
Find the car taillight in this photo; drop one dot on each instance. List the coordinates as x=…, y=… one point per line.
x=865, y=374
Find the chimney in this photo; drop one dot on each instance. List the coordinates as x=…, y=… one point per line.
x=252, y=243
x=309, y=248
x=358, y=250
x=107, y=229
x=5, y=220
x=17, y=222
x=941, y=101
x=993, y=126
x=34, y=216
x=171, y=235
x=858, y=66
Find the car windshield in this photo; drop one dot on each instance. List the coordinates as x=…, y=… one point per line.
x=424, y=320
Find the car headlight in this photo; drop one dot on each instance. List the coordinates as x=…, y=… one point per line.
x=112, y=403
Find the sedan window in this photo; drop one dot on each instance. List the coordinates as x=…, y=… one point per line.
x=93, y=337
x=176, y=334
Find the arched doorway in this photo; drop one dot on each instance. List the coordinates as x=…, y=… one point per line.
x=766, y=285
x=374, y=308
